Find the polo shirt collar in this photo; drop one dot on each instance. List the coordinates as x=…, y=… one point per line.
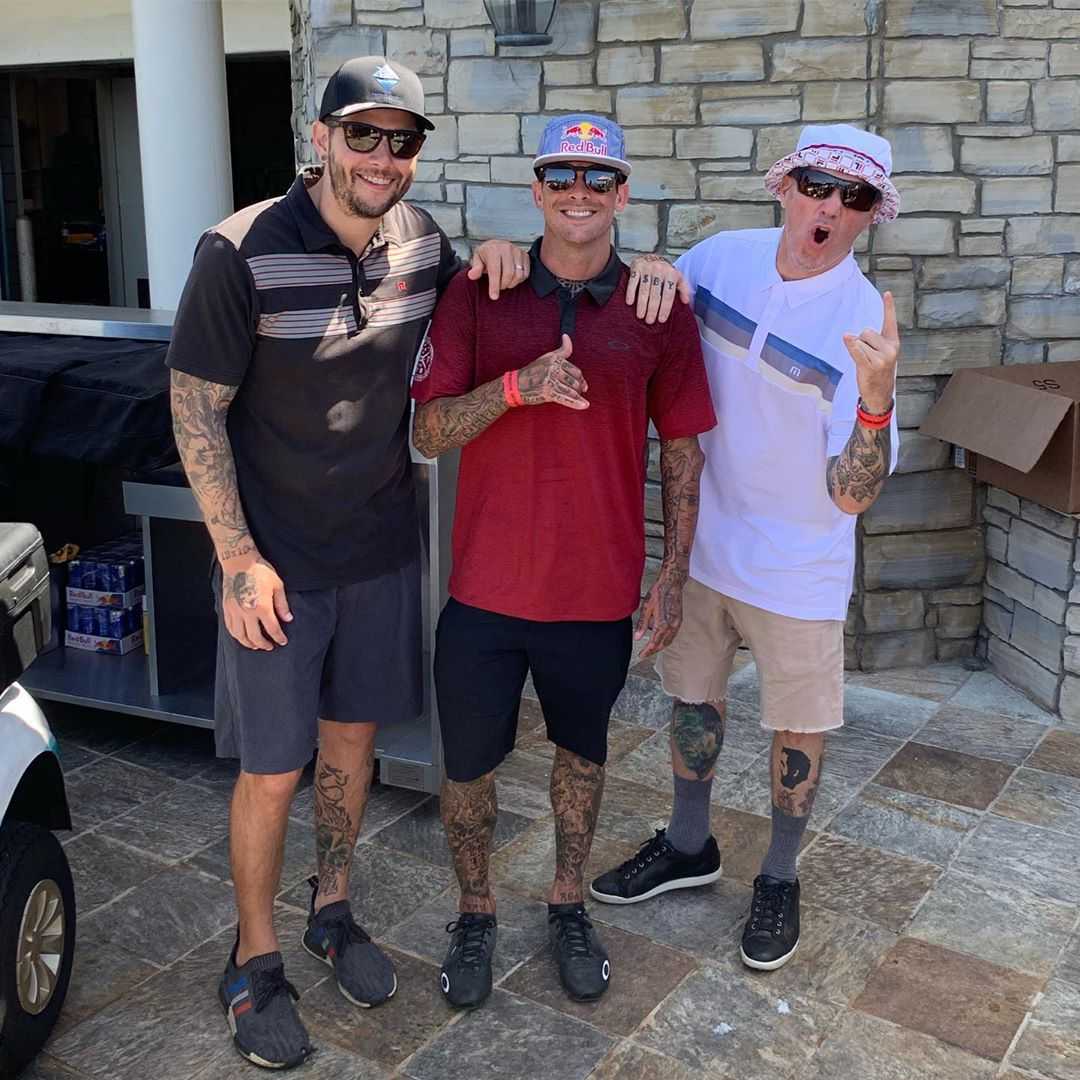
x=800, y=292
x=315, y=233
x=601, y=288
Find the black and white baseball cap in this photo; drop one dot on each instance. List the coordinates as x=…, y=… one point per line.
x=373, y=82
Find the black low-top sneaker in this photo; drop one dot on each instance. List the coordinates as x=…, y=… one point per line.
x=657, y=868
x=259, y=1003
x=771, y=934
x=466, y=972
x=365, y=974
x=584, y=968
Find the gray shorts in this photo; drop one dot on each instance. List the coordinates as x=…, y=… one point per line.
x=354, y=656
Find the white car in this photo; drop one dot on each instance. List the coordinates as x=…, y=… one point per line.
x=37, y=898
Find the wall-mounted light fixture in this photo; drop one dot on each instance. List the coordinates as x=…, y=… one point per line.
x=521, y=22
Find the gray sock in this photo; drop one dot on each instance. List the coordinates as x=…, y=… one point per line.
x=787, y=834
x=689, y=828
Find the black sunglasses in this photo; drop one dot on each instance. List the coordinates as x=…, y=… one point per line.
x=854, y=194
x=363, y=138
x=563, y=177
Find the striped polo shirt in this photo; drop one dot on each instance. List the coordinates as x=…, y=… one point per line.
x=321, y=344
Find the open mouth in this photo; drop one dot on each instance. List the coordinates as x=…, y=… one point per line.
x=821, y=234
x=375, y=180
x=578, y=214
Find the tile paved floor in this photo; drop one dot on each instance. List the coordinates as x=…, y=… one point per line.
x=941, y=908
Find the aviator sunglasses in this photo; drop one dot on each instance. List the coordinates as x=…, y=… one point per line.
x=563, y=177
x=363, y=138
x=854, y=194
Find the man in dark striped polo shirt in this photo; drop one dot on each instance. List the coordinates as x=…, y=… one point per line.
x=291, y=355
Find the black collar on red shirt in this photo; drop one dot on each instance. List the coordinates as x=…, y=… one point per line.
x=316, y=234
x=601, y=288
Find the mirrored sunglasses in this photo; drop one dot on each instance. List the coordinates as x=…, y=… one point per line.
x=598, y=179
x=854, y=194
x=364, y=138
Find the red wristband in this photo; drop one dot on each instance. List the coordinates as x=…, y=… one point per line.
x=511, y=393
x=874, y=421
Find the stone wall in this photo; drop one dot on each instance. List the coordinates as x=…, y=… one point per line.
x=1031, y=609
x=980, y=99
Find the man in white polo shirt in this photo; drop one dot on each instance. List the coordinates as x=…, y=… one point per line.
x=801, y=353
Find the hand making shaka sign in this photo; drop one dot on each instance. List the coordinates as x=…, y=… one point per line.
x=875, y=357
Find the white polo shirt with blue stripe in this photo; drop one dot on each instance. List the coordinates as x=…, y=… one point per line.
x=784, y=389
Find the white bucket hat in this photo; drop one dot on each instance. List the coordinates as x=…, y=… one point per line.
x=846, y=149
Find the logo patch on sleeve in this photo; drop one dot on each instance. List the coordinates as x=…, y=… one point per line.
x=425, y=356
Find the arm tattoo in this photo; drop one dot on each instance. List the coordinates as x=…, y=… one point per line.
x=854, y=478
x=469, y=813
x=681, y=462
x=335, y=831
x=799, y=778
x=576, y=789
x=698, y=733
x=199, y=410
x=446, y=423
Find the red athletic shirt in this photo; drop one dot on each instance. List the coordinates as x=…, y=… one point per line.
x=549, y=523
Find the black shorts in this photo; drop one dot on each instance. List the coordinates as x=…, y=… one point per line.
x=354, y=656
x=481, y=661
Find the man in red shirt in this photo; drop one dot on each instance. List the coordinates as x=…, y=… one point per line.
x=550, y=392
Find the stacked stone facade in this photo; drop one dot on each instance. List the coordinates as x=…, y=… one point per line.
x=981, y=100
x=1031, y=609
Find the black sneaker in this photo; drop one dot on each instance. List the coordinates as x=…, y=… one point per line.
x=771, y=934
x=365, y=974
x=584, y=968
x=657, y=868
x=466, y=971
x=259, y=1004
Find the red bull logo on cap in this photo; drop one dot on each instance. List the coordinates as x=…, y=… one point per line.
x=583, y=138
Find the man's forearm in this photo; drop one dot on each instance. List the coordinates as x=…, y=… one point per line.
x=199, y=410
x=446, y=423
x=855, y=476
x=681, y=462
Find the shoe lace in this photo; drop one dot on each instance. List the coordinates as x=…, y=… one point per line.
x=343, y=930
x=266, y=985
x=652, y=849
x=573, y=929
x=767, y=907
x=472, y=935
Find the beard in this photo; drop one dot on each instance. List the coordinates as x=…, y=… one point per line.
x=355, y=205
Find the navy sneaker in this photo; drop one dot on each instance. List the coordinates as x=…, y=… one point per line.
x=259, y=1003
x=466, y=972
x=365, y=974
x=584, y=968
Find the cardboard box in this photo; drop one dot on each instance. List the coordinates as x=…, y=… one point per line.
x=1022, y=422
x=115, y=646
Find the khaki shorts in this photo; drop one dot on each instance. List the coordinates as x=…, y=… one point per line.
x=800, y=661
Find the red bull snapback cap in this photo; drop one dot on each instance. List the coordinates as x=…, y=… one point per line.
x=581, y=137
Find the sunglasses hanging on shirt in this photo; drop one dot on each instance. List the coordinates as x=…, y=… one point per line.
x=854, y=194
x=563, y=177
x=364, y=138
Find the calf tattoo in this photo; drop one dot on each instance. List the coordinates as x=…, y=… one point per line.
x=335, y=831
x=469, y=812
x=799, y=782
x=698, y=732
x=577, y=786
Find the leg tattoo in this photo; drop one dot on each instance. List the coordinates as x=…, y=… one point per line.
x=797, y=787
x=577, y=786
x=335, y=829
x=698, y=734
x=469, y=812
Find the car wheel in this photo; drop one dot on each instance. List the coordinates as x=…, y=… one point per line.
x=37, y=940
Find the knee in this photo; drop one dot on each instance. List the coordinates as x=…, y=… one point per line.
x=350, y=738
x=469, y=802
x=269, y=787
